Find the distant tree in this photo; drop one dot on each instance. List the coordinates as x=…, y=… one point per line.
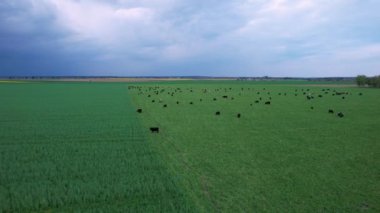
x=376, y=81
x=361, y=80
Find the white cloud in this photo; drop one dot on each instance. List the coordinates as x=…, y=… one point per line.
x=251, y=35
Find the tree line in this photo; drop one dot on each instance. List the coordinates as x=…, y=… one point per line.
x=363, y=81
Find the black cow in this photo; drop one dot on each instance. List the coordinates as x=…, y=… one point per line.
x=267, y=103
x=191, y=102
x=139, y=110
x=177, y=102
x=214, y=99
x=154, y=129
x=165, y=105
x=331, y=111
x=360, y=94
x=217, y=113
x=153, y=101
x=341, y=93
x=311, y=107
x=238, y=115
x=340, y=114
x=343, y=97
x=225, y=96
x=257, y=101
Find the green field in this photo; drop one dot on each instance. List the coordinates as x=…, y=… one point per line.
x=78, y=146
x=83, y=146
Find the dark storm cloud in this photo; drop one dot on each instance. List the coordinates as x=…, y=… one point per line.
x=167, y=37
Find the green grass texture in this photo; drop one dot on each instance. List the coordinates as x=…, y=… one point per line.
x=282, y=157
x=79, y=147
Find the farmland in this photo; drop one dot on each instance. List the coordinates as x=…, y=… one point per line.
x=68, y=146
x=279, y=157
x=78, y=146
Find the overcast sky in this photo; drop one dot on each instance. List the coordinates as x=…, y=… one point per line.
x=300, y=38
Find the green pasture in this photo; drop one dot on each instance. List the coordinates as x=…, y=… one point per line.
x=77, y=147
x=283, y=157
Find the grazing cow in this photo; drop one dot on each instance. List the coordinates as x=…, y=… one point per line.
x=320, y=96
x=343, y=97
x=225, y=96
x=191, y=102
x=341, y=93
x=257, y=101
x=331, y=111
x=165, y=105
x=214, y=99
x=311, y=107
x=217, y=113
x=154, y=129
x=340, y=114
x=360, y=94
x=148, y=96
x=177, y=102
x=267, y=103
x=238, y=115
x=260, y=98
x=139, y=110
x=153, y=101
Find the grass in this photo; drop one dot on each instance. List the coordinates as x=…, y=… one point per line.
x=281, y=157
x=78, y=147
x=82, y=147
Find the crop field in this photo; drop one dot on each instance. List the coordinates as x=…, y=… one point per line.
x=84, y=147
x=75, y=147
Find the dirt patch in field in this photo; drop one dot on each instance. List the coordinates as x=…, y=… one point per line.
x=326, y=85
x=116, y=79
x=10, y=82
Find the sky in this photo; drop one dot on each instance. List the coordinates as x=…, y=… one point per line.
x=278, y=38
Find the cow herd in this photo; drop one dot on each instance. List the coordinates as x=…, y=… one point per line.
x=150, y=92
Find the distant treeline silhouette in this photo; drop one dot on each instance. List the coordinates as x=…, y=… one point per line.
x=363, y=81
